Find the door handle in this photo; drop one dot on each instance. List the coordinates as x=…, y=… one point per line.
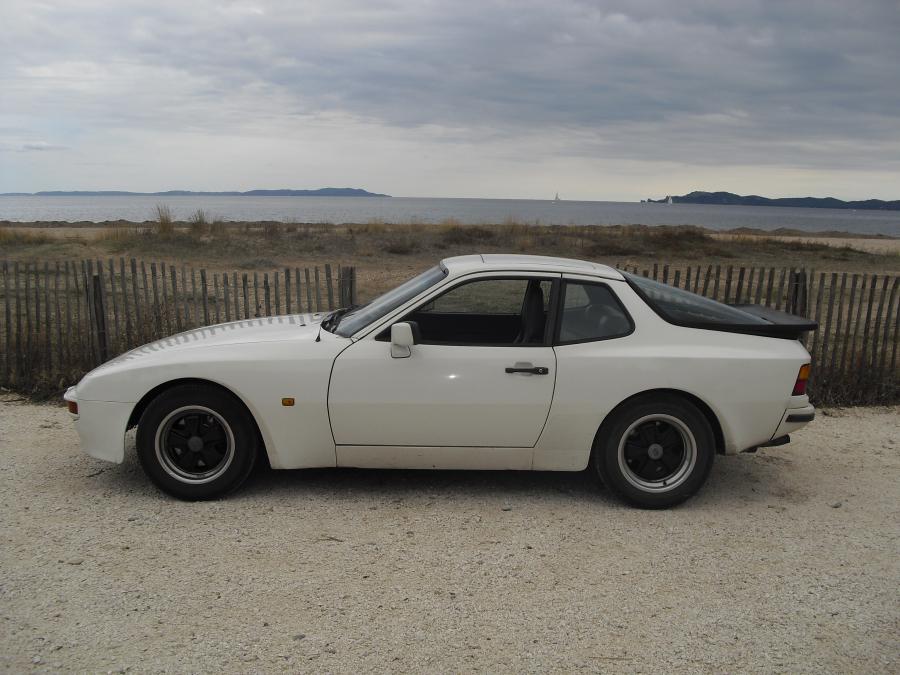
x=532, y=370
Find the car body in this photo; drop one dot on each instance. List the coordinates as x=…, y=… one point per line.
x=430, y=376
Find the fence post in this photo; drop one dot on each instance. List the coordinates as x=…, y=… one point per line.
x=275, y=276
x=100, y=318
x=287, y=290
x=318, y=291
x=797, y=291
x=205, y=291
x=344, y=286
x=329, y=287
x=7, y=301
x=136, y=299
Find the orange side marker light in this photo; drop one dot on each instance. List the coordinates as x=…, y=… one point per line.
x=287, y=402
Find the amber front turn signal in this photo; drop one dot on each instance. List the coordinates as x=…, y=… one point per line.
x=72, y=406
x=287, y=402
x=802, y=379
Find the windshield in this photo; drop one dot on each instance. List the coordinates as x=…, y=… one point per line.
x=686, y=308
x=361, y=317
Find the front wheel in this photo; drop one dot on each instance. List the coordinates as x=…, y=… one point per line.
x=655, y=453
x=197, y=442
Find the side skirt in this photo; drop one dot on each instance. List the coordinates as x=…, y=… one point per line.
x=393, y=457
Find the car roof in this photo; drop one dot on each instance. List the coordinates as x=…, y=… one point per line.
x=527, y=263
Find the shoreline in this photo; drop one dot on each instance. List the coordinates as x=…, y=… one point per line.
x=780, y=232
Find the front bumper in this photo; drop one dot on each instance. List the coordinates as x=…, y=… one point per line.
x=101, y=426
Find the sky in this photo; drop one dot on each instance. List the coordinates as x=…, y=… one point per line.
x=493, y=98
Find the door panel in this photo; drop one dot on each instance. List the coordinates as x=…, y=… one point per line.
x=441, y=395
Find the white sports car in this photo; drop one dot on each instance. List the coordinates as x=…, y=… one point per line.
x=482, y=362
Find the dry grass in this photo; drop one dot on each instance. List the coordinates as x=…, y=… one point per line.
x=17, y=238
x=165, y=224
x=115, y=235
x=385, y=253
x=199, y=224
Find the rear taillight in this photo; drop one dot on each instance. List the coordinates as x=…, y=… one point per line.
x=73, y=407
x=802, y=379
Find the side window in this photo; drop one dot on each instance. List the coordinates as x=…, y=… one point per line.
x=491, y=296
x=590, y=311
x=487, y=312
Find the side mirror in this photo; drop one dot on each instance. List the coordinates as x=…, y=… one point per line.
x=402, y=339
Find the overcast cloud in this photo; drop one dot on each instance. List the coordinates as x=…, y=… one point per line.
x=596, y=100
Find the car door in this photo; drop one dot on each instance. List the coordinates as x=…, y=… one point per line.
x=477, y=376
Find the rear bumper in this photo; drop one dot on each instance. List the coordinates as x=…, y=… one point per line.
x=794, y=419
x=101, y=426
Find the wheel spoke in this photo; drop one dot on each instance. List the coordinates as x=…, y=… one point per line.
x=211, y=457
x=670, y=438
x=178, y=435
x=212, y=434
x=633, y=450
x=641, y=464
x=670, y=462
x=647, y=433
x=191, y=423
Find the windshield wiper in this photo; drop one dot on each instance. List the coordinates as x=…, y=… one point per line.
x=330, y=322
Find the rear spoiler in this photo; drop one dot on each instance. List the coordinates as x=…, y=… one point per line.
x=782, y=324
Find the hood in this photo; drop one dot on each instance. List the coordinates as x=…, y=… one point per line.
x=300, y=327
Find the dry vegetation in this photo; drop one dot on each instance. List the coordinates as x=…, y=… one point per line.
x=385, y=253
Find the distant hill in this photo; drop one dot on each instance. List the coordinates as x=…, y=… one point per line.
x=729, y=198
x=321, y=192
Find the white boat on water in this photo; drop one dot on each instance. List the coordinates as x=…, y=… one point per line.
x=669, y=200
x=556, y=198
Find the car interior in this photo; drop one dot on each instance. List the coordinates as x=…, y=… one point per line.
x=488, y=312
x=591, y=312
x=515, y=312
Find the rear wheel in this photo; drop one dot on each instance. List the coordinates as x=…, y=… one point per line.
x=197, y=442
x=656, y=452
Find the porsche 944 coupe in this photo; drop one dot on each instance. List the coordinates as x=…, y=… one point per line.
x=482, y=362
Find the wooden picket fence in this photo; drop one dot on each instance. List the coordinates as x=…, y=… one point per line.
x=64, y=318
x=854, y=352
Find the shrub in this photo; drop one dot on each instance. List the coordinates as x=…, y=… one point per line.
x=165, y=225
x=199, y=223
x=466, y=234
x=403, y=246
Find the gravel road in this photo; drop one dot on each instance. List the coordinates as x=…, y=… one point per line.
x=789, y=560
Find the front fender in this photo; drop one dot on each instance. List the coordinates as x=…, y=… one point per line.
x=260, y=374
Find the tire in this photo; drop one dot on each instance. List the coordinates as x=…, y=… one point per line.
x=197, y=442
x=655, y=452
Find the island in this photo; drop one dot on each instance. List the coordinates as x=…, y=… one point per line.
x=729, y=198
x=321, y=192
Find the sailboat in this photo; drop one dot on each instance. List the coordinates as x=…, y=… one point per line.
x=556, y=198
x=669, y=200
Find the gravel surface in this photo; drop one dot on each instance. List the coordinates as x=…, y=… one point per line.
x=789, y=560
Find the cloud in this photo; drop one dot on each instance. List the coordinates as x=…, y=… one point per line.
x=40, y=146
x=803, y=85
